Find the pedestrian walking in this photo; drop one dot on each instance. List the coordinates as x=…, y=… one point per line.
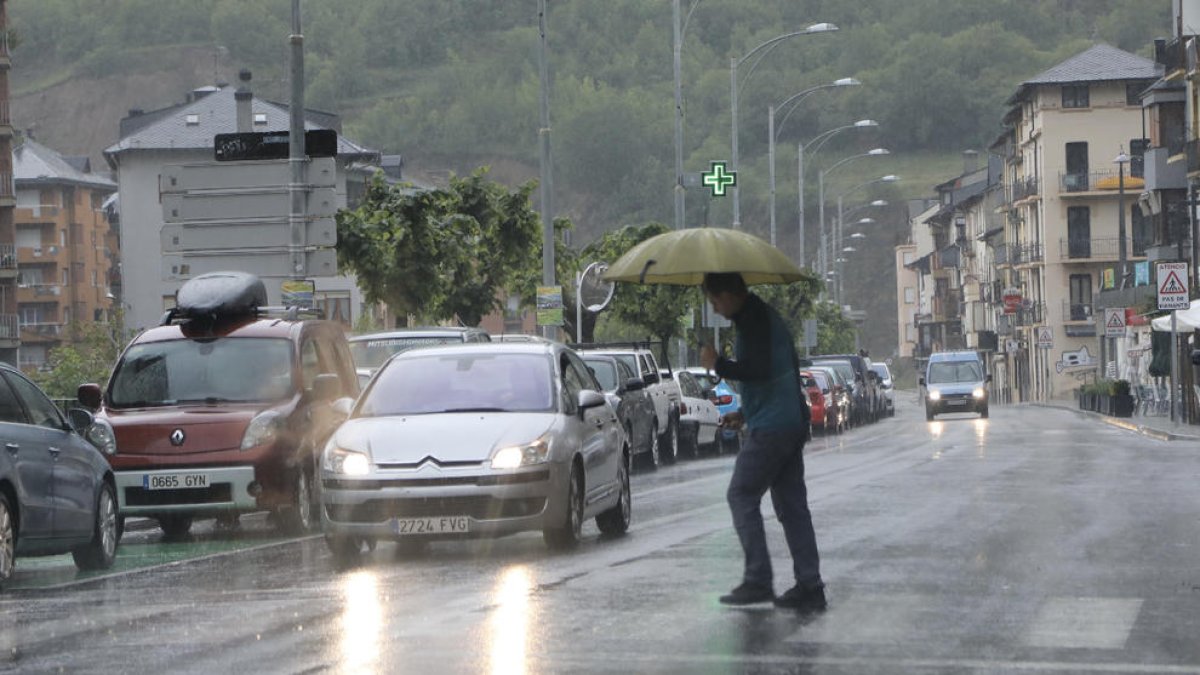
x=776, y=419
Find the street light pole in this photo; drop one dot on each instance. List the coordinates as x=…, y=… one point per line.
x=677, y=59
x=818, y=141
x=840, y=229
x=545, y=165
x=734, y=62
x=1122, y=255
x=821, y=188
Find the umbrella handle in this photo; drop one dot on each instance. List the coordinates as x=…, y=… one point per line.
x=645, y=268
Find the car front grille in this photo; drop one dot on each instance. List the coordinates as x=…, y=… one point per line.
x=477, y=507
x=213, y=494
x=485, y=481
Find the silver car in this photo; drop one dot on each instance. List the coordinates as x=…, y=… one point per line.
x=473, y=440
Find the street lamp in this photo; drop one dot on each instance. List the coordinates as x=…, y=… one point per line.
x=678, y=51
x=1121, y=160
x=734, y=62
x=773, y=133
x=814, y=145
x=821, y=190
x=890, y=178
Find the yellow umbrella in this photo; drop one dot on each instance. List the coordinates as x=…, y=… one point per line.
x=682, y=257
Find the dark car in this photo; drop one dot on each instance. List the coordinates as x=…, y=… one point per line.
x=632, y=401
x=223, y=409
x=56, y=491
x=867, y=394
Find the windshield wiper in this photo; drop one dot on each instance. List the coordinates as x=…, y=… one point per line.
x=207, y=400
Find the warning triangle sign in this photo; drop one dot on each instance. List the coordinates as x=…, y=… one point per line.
x=1115, y=320
x=1172, y=284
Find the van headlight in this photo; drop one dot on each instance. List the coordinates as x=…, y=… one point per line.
x=515, y=456
x=978, y=392
x=263, y=429
x=339, y=460
x=935, y=395
x=101, y=435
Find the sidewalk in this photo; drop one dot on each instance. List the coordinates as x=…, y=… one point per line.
x=1154, y=426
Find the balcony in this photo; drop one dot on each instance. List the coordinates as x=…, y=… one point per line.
x=947, y=258
x=38, y=292
x=7, y=189
x=1172, y=55
x=1032, y=314
x=1164, y=175
x=9, y=330
x=1104, y=249
x=8, y=261
x=1078, y=312
x=1025, y=188
x=37, y=254
x=1106, y=182
x=1028, y=254
x=1002, y=255
x=42, y=332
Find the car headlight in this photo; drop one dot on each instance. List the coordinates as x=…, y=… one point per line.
x=935, y=395
x=345, y=462
x=263, y=429
x=101, y=435
x=515, y=456
x=978, y=392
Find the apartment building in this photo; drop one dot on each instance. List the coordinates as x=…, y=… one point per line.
x=1064, y=189
x=9, y=336
x=64, y=246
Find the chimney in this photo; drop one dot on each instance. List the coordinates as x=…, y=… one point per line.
x=245, y=118
x=970, y=159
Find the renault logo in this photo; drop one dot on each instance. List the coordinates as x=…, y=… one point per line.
x=177, y=437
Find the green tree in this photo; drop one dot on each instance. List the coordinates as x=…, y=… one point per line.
x=835, y=333
x=566, y=265
x=438, y=254
x=90, y=358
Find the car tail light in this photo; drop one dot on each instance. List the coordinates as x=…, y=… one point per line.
x=724, y=399
x=683, y=408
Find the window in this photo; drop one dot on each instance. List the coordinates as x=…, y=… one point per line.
x=1141, y=231
x=191, y=120
x=1076, y=178
x=1075, y=96
x=260, y=118
x=907, y=257
x=335, y=305
x=1079, y=232
x=1133, y=92
x=910, y=295
x=1081, y=297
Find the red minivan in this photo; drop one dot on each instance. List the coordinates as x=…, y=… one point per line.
x=223, y=409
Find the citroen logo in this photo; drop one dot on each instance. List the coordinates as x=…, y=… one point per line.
x=177, y=437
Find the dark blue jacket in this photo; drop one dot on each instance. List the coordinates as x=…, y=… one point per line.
x=766, y=365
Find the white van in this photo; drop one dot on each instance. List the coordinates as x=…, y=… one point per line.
x=955, y=382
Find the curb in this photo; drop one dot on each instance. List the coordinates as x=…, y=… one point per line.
x=1142, y=429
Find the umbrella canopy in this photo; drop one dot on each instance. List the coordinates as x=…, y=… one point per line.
x=682, y=257
x=1187, y=321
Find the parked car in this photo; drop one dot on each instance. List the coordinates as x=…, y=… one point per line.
x=476, y=440
x=886, y=386
x=858, y=402
x=698, y=415
x=869, y=402
x=56, y=489
x=223, y=409
x=816, y=402
x=954, y=381
x=372, y=349
x=727, y=400
x=836, y=398
x=639, y=357
x=628, y=395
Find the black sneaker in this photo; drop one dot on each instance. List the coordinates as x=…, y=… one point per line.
x=803, y=599
x=748, y=594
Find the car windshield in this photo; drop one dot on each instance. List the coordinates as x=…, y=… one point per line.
x=882, y=370
x=950, y=372
x=466, y=382
x=205, y=371
x=843, y=367
x=605, y=372
x=373, y=353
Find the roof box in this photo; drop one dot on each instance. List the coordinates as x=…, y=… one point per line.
x=219, y=294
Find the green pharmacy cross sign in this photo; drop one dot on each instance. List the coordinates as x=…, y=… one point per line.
x=718, y=179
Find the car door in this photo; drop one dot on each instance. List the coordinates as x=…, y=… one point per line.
x=706, y=411
x=29, y=464
x=599, y=430
x=73, y=495
x=641, y=408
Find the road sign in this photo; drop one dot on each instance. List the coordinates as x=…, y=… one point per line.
x=1011, y=346
x=243, y=205
x=246, y=234
x=272, y=145
x=1114, y=322
x=1173, y=285
x=1045, y=337
x=321, y=262
x=718, y=179
x=275, y=173
x=811, y=331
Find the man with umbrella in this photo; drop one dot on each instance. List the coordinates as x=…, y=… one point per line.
x=774, y=410
x=776, y=417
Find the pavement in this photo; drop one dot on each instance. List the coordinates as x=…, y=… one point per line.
x=1154, y=426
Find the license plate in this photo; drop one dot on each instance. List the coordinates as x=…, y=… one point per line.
x=956, y=402
x=438, y=525
x=174, y=481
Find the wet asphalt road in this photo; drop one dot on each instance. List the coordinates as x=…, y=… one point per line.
x=1036, y=541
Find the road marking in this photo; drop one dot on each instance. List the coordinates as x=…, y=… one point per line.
x=1097, y=623
x=870, y=619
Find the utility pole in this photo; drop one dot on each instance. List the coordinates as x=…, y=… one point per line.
x=545, y=165
x=296, y=151
x=678, y=67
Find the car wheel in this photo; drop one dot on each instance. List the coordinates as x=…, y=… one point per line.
x=8, y=540
x=615, y=521
x=347, y=551
x=101, y=551
x=928, y=413
x=984, y=412
x=690, y=444
x=175, y=525
x=670, y=442
x=655, y=457
x=567, y=534
x=297, y=517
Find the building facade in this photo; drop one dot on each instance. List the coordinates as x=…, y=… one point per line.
x=10, y=338
x=64, y=249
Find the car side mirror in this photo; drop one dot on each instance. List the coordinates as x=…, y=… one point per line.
x=651, y=378
x=668, y=375
x=326, y=387
x=634, y=384
x=988, y=378
x=80, y=419
x=1196, y=357
x=89, y=395
x=589, y=399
